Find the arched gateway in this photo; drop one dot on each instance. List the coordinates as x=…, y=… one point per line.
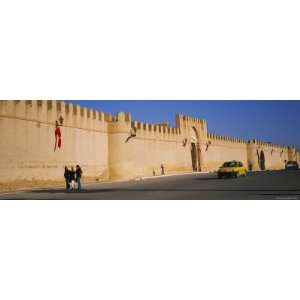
x=195, y=150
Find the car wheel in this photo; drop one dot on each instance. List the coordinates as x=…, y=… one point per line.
x=220, y=176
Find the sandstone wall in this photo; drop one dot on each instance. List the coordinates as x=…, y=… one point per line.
x=98, y=142
x=152, y=146
x=221, y=148
x=275, y=155
x=27, y=140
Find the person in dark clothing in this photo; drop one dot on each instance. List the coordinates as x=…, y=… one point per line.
x=67, y=177
x=72, y=178
x=78, y=176
x=162, y=169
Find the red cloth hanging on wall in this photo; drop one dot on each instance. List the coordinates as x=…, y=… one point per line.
x=57, y=138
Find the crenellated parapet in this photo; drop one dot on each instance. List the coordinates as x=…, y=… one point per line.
x=79, y=117
x=50, y=111
x=156, y=131
x=268, y=145
x=272, y=149
x=226, y=140
x=116, y=146
x=123, y=123
x=184, y=121
x=232, y=140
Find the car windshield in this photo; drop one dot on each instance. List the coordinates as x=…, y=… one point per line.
x=291, y=163
x=230, y=164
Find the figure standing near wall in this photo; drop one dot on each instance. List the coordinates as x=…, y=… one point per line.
x=67, y=178
x=162, y=169
x=72, y=178
x=250, y=166
x=78, y=176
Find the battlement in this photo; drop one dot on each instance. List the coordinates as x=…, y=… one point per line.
x=186, y=121
x=50, y=111
x=156, y=131
x=120, y=117
x=225, y=139
x=189, y=119
x=267, y=144
x=143, y=129
x=72, y=115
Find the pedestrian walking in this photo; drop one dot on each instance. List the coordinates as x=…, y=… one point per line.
x=72, y=178
x=78, y=176
x=67, y=178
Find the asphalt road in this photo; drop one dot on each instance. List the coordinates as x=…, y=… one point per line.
x=257, y=185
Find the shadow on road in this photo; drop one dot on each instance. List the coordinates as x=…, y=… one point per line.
x=104, y=190
x=218, y=179
x=207, y=178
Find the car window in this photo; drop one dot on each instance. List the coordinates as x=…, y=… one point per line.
x=230, y=164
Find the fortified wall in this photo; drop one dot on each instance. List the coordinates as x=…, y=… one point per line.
x=27, y=140
x=116, y=147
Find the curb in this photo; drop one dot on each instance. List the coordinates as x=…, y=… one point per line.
x=170, y=175
x=99, y=182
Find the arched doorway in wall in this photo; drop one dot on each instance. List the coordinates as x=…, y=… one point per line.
x=195, y=150
x=194, y=156
x=262, y=161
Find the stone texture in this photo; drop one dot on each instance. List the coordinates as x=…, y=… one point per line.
x=99, y=143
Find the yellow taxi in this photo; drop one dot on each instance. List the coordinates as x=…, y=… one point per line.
x=232, y=169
